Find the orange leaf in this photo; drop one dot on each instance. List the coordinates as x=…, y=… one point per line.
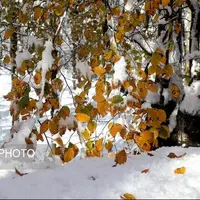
x=38, y=11
x=82, y=117
x=115, y=129
x=121, y=157
x=69, y=154
x=99, y=146
x=180, y=170
x=44, y=126
x=175, y=92
x=99, y=70
x=173, y=155
x=59, y=141
x=109, y=146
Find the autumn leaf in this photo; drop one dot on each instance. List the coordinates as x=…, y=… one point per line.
x=180, y=170
x=175, y=92
x=8, y=33
x=38, y=11
x=121, y=157
x=19, y=173
x=69, y=154
x=116, y=99
x=99, y=70
x=44, y=126
x=82, y=117
x=127, y=196
x=115, y=128
x=99, y=146
x=6, y=59
x=145, y=171
x=28, y=141
x=59, y=141
x=173, y=155
x=109, y=146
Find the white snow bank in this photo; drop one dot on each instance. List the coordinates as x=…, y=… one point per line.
x=96, y=178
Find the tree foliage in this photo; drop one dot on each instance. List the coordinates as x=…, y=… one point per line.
x=135, y=52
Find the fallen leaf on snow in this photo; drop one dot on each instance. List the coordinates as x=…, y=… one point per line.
x=127, y=196
x=180, y=170
x=173, y=155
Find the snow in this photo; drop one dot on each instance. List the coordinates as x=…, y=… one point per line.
x=120, y=73
x=47, y=61
x=21, y=56
x=191, y=101
x=33, y=40
x=84, y=69
x=96, y=178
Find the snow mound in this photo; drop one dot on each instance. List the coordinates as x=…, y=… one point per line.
x=96, y=178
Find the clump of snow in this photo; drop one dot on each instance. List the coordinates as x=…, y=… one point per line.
x=191, y=101
x=167, y=96
x=120, y=73
x=33, y=40
x=84, y=69
x=68, y=122
x=46, y=62
x=172, y=120
x=152, y=97
x=21, y=56
x=146, y=105
x=21, y=130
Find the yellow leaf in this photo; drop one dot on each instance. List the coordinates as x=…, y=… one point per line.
x=108, y=55
x=69, y=154
x=167, y=71
x=115, y=129
x=59, y=10
x=99, y=70
x=53, y=127
x=180, y=170
x=141, y=89
x=82, y=117
x=175, y=92
x=121, y=157
x=150, y=85
x=165, y=3
x=86, y=134
x=92, y=125
x=99, y=98
x=99, y=146
x=44, y=126
x=37, y=78
x=161, y=115
x=127, y=196
x=38, y=11
x=142, y=126
x=6, y=59
x=116, y=58
x=141, y=73
x=116, y=11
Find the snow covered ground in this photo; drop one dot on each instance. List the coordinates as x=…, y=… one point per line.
x=97, y=178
